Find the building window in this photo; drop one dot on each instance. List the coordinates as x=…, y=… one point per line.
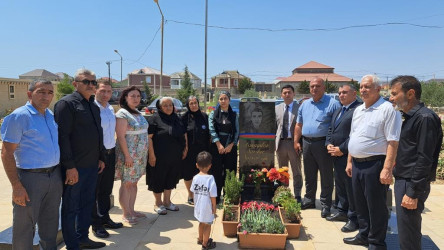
x=236, y=82
x=148, y=79
x=11, y=91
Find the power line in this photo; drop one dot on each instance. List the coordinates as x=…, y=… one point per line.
x=313, y=29
x=147, y=47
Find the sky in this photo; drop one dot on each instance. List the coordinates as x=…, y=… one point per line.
x=63, y=36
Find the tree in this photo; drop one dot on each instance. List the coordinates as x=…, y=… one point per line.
x=433, y=94
x=355, y=84
x=149, y=97
x=186, y=89
x=64, y=87
x=251, y=93
x=244, y=84
x=304, y=87
x=330, y=87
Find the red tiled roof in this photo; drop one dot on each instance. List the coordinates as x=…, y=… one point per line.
x=332, y=77
x=314, y=65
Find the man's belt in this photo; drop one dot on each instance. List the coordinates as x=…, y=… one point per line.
x=286, y=139
x=370, y=158
x=40, y=170
x=110, y=151
x=313, y=139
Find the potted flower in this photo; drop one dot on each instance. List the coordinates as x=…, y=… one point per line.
x=279, y=176
x=290, y=214
x=230, y=220
x=260, y=226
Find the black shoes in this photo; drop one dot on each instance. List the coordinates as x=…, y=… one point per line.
x=100, y=232
x=355, y=241
x=112, y=225
x=307, y=205
x=350, y=226
x=298, y=199
x=338, y=217
x=90, y=244
x=325, y=212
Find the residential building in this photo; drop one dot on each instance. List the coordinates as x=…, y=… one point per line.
x=309, y=71
x=268, y=87
x=150, y=76
x=228, y=79
x=177, y=78
x=40, y=74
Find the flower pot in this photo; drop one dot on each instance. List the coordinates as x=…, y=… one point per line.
x=262, y=240
x=293, y=229
x=230, y=227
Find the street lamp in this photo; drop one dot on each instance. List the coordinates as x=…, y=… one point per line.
x=161, y=49
x=205, y=75
x=121, y=60
x=109, y=71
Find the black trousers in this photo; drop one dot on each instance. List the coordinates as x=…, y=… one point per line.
x=344, y=190
x=316, y=158
x=105, y=183
x=222, y=162
x=370, y=199
x=409, y=220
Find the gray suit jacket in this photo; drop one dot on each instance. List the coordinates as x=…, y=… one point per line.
x=279, y=110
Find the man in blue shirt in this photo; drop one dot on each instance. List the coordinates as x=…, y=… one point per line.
x=314, y=118
x=31, y=156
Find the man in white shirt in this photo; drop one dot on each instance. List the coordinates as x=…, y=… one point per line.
x=374, y=138
x=105, y=180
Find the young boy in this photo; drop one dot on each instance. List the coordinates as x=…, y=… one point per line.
x=205, y=193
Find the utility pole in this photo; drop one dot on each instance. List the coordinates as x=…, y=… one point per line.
x=205, y=75
x=109, y=71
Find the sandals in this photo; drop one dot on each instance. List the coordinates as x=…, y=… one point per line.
x=199, y=242
x=129, y=220
x=172, y=207
x=210, y=244
x=190, y=201
x=160, y=210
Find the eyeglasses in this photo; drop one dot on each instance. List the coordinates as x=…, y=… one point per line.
x=87, y=82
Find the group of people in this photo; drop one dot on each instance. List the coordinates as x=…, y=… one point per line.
x=358, y=148
x=74, y=155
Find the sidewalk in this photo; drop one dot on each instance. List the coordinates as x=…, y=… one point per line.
x=178, y=230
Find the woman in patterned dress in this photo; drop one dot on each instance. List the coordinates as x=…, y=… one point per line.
x=131, y=151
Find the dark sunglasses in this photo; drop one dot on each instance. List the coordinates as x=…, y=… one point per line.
x=87, y=82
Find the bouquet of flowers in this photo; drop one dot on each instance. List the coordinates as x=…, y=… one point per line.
x=279, y=176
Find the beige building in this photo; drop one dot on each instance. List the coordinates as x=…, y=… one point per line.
x=13, y=94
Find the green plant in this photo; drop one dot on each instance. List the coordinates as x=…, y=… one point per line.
x=282, y=194
x=229, y=214
x=260, y=218
x=64, y=87
x=251, y=93
x=233, y=187
x=187, y=88
x=244, y=85
x=292, y=210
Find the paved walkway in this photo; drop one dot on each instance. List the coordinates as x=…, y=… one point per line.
x=178, y=230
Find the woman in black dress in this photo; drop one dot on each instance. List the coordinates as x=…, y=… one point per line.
x=224, y=131
x=166, y=154
x=195, y=123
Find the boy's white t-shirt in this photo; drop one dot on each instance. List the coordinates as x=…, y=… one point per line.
x=203, y=187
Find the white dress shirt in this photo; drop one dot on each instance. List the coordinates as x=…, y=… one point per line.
x=108, y=125
x=372, y=128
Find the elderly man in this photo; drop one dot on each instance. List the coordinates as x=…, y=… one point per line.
x=372, y=147
x=105, y=180
x=31, y=156
x=314, y=118
x=81, y=153
x=417, y=158
x=286, y=114
x=337, y=146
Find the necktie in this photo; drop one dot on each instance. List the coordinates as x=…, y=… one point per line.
x=342, y=113
x=285, y=127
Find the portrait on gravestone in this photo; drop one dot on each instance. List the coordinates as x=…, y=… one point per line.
x=257, y=128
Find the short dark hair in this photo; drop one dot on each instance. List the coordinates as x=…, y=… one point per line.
x=204, y=159
x=288, y=86
x=122, y=100
x=104, y=82
x=347, y=84
x=33, y=84
x=408, y=83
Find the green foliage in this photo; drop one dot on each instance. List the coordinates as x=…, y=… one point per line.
x=304, y=87
x=433, y=94
x=229, y=213
x=292, y=210
x=282, y=194
x=260, y=221
x=64, y=87
x=244, y=85
x=251, y=93
x=187, y=89
x=233, y=187
x=330, y=87
x=149, y=96
x=6, y=113
x=356, y=85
